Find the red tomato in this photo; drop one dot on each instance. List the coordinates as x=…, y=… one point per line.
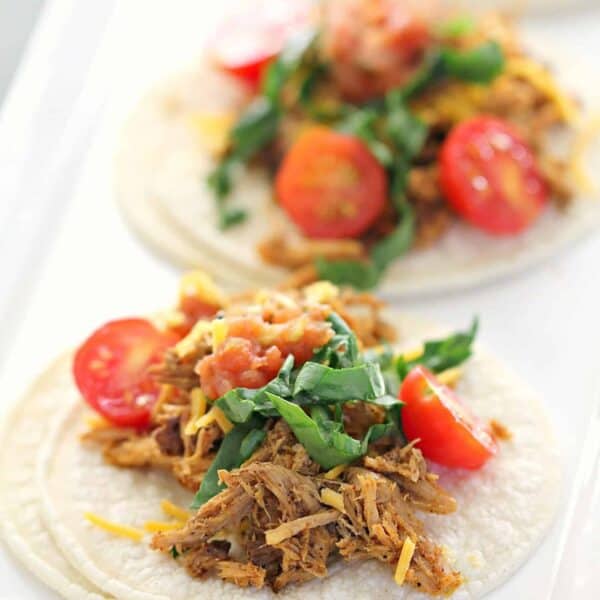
x=110, y=370
x=448, y=432
x=490, y=177
x=245, y=43
x=330, y=185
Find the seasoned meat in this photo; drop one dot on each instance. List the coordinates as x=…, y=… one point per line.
x=168, y=438
x=406, y=466
x=282, y=448
x=377, y=521
x=202, y=560
x=242, y=574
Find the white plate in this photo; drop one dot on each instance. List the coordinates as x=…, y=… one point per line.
x=545, y=323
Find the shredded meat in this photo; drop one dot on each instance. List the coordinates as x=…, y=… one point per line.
x=168, y=438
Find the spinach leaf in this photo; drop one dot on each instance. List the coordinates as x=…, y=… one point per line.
x=384, y=358
x=458, y=26
x=431, y=71
x=229, y=456
x=396, y=243
x=479, y=65
x=406, y=131
x=324, y=440
x=342, y=349
x=360, y=275
x=439, y=355
x=323, y=383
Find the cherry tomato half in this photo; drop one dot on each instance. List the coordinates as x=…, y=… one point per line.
x=490, y=177
x=331, y=185
x=110, y=370
x=245, y=44
x=448, y=432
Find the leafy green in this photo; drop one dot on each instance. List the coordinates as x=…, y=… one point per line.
x=360, y=275
x=396, y=243
x=324, y=439
x=234, y=450
x=325, y=384
x=406, y=131
x=174, y=552
x=439, y=355
x=458, y=26
x=479, y=65
x=342, y=349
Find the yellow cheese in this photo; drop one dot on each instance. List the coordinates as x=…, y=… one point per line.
x=158, y=526
x=187, y=346
x=223, y=422
x=541, y=79
x=115, y=528
x=96, y=422
x=198, y=405
x=175, y=511
x=450, y=377
x=215, y=414
x=219, y=333
x=197, y=284
x=321, y=291
x=212, y=129
x=406, y=554
x=335, y=472
x=333, y=499
x=413, y=354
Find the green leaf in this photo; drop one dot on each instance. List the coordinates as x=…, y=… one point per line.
x=479, y=65
x=229, y=217
x=256, y=127
x=457, y=27
x=323, y=439
x=342, y=349
x=439, y=355
x=431, y=71
x=407, y=132
x=229, y=456
x=359, y=275
x=396, y=243
x=323, y=383
x=384, y=358
x=251, y=442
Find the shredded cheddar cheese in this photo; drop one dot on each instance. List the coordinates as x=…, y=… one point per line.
x=96, y=422
x=406, y=554
x=198, y=405
x=158, y=526
x=215, y=414
x=212, y=129
x=333, y=499
x=219, y=333
x=115, y=528
x=449, y=377
x=541, y=79
x=412, y=354
x=197, y=284
x=321, y=291
x=172, y=510
x=187, y=345
x=335, y=472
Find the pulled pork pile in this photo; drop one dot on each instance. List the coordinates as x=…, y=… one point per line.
x=277, y=514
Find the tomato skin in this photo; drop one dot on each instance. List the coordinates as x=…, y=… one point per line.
x=246, y=43
x=448, y=432
x=489, y=175
x=110, y=370
x=331, y=185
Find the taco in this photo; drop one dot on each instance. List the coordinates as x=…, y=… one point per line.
x=338, y=150
x=303, y=443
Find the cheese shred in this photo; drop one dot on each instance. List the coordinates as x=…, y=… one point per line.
x=158, y=526
x=333, y=499
x=115, y=528
x=406, y=554
x=450, y=377
x=335, y=472
x=172, y=510
x=198, y=409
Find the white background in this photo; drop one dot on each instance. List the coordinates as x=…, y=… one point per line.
x=69, y=263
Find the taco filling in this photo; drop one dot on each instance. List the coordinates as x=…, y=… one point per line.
x=306, y=440
x=381, y=123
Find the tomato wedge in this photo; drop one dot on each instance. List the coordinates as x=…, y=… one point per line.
x=490, y=177
x=110, y=370
x=331, y=185
x=448, y=432
x=245, y=44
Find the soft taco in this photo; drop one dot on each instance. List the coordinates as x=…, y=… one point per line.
x=306, y=443
x=376, y=143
